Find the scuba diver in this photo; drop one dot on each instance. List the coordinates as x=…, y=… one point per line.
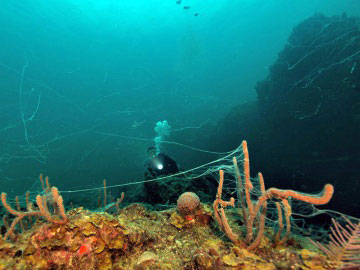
x=159, y=164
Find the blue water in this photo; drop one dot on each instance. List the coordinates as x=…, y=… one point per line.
x=83, y=83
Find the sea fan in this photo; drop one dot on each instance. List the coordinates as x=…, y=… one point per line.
x=344, y=244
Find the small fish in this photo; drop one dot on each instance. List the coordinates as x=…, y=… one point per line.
x=196, y=14
x=186, y=7
x=178, y=2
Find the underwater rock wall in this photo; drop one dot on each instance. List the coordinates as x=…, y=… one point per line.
x=305, y=128
x=311, y=96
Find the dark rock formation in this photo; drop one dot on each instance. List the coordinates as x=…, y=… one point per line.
x=305, y=130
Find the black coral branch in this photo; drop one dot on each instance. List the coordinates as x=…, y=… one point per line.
x=344, y=245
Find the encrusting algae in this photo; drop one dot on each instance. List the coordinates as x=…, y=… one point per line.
x=136, y=238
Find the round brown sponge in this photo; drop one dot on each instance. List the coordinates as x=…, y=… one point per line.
x=187, y=203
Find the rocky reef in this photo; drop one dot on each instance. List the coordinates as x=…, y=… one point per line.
x=137, y=238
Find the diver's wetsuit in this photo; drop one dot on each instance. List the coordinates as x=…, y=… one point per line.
x=160, y=165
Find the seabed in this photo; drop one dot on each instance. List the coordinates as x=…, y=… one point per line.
x=138, y=238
